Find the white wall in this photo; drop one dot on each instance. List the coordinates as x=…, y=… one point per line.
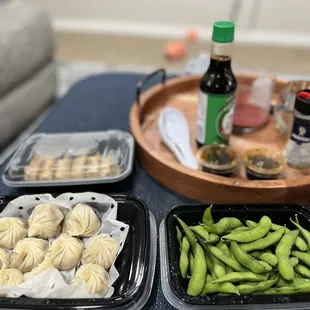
x=278, y=21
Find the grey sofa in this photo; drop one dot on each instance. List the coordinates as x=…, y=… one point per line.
x=27, y=68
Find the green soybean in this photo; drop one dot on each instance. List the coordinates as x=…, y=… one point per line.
x=305, y=233
x=210, y=229
x=223, y=257
x=184, y=260
x=294, y=261
x=269, y=258
x=179, y=236
x=252, y=234
x=283, y=251
x=191, y=263
x=264, y=242
x=249, y=288
x=212, y=288
x=247, y=260
x=303, y=271
x=242, y=228
x=300, y=243
x=199, y=230
x=218, y=266
x=188, y=233
x=207, y=218
x=250, y=224
x=255, y=254
x=226, y=224
x=213, y=238
x=240, y=277
x=198, y=277
x=303, y=257
x=224, y=248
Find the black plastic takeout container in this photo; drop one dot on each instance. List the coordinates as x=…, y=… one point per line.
x=174, y=287
x=135, y=264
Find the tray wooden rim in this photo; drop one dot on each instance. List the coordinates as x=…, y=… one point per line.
x=136, y=129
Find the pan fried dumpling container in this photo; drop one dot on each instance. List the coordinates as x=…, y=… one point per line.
x=71, y=159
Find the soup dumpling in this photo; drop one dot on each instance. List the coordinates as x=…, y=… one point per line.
x=65, y=252
x=45, y=220
x=101, y=250
x=28, y=253
x=10, y=277
x=11, y=231
x=4, y=258
x=97, y=279
x=81, y=221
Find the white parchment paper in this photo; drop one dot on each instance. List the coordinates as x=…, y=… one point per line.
x=53, y=283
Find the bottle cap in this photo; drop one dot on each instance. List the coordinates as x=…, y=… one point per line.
x=223, y=32
x=302, y=104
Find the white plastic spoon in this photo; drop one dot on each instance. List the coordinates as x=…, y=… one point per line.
x=175, y=133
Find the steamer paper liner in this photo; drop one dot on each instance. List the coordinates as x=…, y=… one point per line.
x=52, y=283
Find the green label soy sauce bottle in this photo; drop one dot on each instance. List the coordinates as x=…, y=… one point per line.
x=217, y=90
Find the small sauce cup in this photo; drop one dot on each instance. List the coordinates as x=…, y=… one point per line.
x=263, y=164
x=217, y=159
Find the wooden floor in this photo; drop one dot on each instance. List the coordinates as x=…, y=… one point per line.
x=132, y=51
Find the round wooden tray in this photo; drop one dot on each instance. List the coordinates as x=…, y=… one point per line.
x=160, y=163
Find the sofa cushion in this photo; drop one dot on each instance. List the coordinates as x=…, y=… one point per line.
x=20, y=107
x=26, y=43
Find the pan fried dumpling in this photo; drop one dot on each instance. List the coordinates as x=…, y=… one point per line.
x=96, y=278
x=11, y=231
x=81, y=221
x=4, y=258
x=45, y=265
x=28, y=253
x=44, y=221
x=101, y=250
x=10, y=277
x=65, y=252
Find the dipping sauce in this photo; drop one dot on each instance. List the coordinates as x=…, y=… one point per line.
x=217, y=159
x=263, y=164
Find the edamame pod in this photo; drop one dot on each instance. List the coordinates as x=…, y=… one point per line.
x=184, y=261
x=212, y=288
x=188, y=234
x=269, y=258
x=210, y=229
x=252, y=234
x=250, y=224
x=305, y=233
x=300, y=243
x=283, y=251
x=199, y=230
x=240, y=276
x=226, y=224
x=179, y=236
x=213, y=238
x=294, y=261
x=303, y=257
x=256, y=254
x=247, y=288
x=198, y=278
x=207, y=217
x=242, y=228
x=303, y=271
x=247, y=260
x=220, y=255
x=224, y=248
x=264, y=242
x=191, y=263
x=218, y=266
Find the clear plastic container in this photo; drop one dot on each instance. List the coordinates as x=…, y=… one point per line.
x=135, y=264
x=174, y=287
x=71, y=159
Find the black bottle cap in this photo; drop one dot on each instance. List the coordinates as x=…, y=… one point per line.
x=302, y=104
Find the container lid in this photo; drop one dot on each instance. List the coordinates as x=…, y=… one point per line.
x=71, y=159
x=223, y=32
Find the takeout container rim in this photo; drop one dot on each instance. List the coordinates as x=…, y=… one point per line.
x=141, y=293
x=180, y=303
x=69, y=182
